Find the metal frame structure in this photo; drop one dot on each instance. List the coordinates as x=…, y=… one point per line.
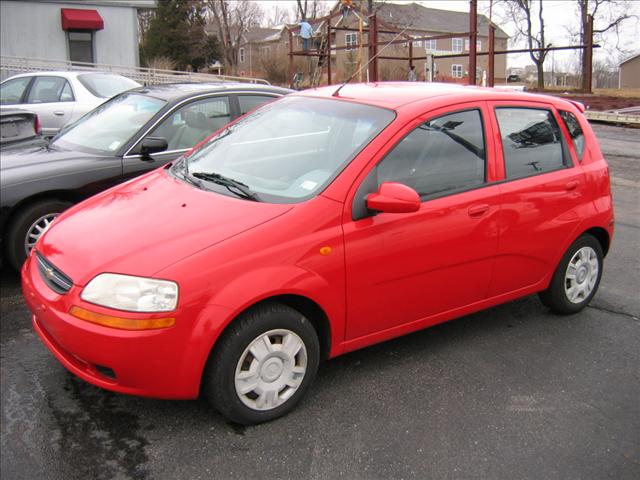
x=372, y=45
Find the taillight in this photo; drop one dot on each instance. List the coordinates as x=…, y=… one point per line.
x=36, y=125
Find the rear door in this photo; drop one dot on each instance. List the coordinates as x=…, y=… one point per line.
x=542, y=190
x=52, y=98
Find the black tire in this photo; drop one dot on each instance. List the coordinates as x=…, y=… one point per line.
x=219, y=376
x=16, y=233
x=555, y=297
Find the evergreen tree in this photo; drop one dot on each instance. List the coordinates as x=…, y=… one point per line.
x=176, y=31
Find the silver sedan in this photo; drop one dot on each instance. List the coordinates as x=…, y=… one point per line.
x=60, y=98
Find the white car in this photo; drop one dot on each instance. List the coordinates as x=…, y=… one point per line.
x=60, y=98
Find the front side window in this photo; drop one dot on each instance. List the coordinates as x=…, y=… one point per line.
x=80, y=46
x=351, y=40
x=110, y=126
x=456, y=44
x=531, y=141
x=291, y=149
x=575, y=132
x=49, y=90
x=193, y=122
x=11, y=91
x=442, y=155
x=241, y=55
x=431, y=45
x=456, y=71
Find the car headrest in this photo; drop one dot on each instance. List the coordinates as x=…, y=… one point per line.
x=196, y=120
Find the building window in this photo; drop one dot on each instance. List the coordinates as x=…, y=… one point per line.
x=80, y=46
x=241, y=55
x=478, y=45
x=456, y=44
x=431, y=45
x=456, y=71
x=350, y=40
x=266, y=50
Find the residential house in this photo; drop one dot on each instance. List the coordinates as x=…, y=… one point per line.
x=629, y=73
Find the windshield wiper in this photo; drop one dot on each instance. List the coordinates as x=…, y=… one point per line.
x=234, y=186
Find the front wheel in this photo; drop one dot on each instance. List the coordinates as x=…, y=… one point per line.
x=577, y=277
x=28, y=226
x=263, y=365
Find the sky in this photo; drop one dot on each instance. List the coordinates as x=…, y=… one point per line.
x=559, y=15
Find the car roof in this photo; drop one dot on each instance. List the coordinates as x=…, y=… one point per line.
x=178, y=91
x=62, y=73
x=394, y=95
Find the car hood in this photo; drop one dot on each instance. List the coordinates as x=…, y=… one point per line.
x=145, y=225
x=36, y=162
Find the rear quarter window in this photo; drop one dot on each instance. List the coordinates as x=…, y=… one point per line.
x=575, y=132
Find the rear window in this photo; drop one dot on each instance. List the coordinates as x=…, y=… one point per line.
x=531, y=141
x=106, y=85
x=575, y=131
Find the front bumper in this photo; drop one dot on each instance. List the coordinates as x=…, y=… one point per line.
x=161, y=363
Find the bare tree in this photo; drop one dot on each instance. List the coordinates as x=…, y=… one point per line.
x=608, y=16
x=310, y=9
x=528, y=21
x=280, y=15
x=232, y=20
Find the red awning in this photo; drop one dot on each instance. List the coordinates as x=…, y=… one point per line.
x=76, y=19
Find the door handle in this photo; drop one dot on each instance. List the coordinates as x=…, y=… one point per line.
x=58, y=112
x=478, y=210
x=572, y=185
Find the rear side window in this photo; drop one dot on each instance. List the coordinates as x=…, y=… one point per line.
x=49, y=89
x=575, y=131
x=531, y=141
x=249, y=102
x=442, y=155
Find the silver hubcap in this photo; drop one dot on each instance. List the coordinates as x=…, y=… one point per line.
x=582, y=273
x=36, y=230
x=271, y=369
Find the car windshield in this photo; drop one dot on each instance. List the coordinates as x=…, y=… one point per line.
x=291, y=149
x=106, y=85
x=111, y=125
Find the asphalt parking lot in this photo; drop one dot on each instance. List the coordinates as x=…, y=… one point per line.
x=512, y=392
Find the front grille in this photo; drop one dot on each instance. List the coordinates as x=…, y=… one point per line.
x=54, y=278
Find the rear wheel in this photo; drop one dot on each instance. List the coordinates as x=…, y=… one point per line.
x=263, y=365
x=28, y=226
x=577, y=277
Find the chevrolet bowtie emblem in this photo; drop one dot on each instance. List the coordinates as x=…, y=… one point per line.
x=48, y=272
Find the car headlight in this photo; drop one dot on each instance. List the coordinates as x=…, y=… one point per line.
x=134, y=294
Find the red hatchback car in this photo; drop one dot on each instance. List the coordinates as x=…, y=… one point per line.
x=317, y=225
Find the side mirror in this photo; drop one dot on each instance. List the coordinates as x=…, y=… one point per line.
x=152, y=145
x=393, y=197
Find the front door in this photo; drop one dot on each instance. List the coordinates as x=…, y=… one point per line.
x=403, y=268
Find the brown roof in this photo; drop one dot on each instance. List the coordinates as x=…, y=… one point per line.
x=432, y=19
x=252, y=35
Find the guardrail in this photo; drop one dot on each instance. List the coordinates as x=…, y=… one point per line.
x=146, y=76
x=608, y=117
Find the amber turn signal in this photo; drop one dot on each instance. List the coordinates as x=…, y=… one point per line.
x=119, y=322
